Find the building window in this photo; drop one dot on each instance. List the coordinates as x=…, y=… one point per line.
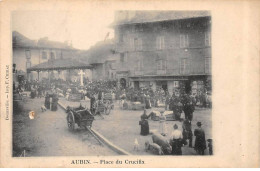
x=136, y=44
x=161, y=64
x=207, y=38
x=123, y=58
x=207, y=65
x=175, y=84
x=160, y=42
x=133, y=29
x=184, y=40
x=140, y=64
x=132, y=43
x=124, y=38
x=140, y=44
x=28, y=54
x=184, y=66
x=121, y=38
x=52, y=55
x=44, y=55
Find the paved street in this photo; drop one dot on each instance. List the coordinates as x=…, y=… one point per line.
x=48, y=134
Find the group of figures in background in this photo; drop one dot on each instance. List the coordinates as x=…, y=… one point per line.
x=178, y=102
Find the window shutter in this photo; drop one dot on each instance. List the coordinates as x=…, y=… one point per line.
x=140, y=44
x=163, y=64
x=162, y=42
x=187, y=41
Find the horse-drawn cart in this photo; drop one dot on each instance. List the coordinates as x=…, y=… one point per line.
x=80, y=116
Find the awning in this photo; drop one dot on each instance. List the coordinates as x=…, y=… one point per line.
x=159, y=78
x=166, y=77
x=60, y=64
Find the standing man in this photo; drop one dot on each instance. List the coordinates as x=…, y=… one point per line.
x=176, y=138
x=176, y=106
x=188, y=107
x=186, y=131
x=200, y=141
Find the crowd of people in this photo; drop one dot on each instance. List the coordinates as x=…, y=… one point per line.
x=178, y=102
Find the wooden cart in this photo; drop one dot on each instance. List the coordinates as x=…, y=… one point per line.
x=80, y=116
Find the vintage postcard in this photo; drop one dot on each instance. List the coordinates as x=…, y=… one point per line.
x=129, y=84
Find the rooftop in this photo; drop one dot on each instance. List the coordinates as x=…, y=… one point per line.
x=135, y=17
x=20, y=40
x=60, y=64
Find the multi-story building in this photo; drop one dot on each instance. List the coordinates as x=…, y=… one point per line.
x=28, y=53
x=164, y=49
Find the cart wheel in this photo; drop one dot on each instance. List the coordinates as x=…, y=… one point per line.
x=71, y=121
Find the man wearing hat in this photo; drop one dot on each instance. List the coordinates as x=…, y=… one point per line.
x=200, y=141
x=187, y=131
x=176, y=138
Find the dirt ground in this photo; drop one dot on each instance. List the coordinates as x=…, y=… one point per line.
x=48, y=134
x=121, y=127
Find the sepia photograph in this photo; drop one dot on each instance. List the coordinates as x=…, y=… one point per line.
x=121, y=82
x=129, y=84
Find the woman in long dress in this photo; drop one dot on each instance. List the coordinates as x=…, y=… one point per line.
x=144, y=124
x=47, y=101
x=54, y=104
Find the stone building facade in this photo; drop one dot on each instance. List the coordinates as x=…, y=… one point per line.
x=28, y=53
x=164, y=49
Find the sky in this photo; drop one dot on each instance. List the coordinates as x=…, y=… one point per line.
x=84, y=28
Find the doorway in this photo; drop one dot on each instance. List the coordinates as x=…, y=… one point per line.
x=187, y=86
x=136, y=85
x=123, y=83
x=162, y=84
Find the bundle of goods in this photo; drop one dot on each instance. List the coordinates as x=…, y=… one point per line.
x=155, y=115
x=137, y=106
x=169, y=115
